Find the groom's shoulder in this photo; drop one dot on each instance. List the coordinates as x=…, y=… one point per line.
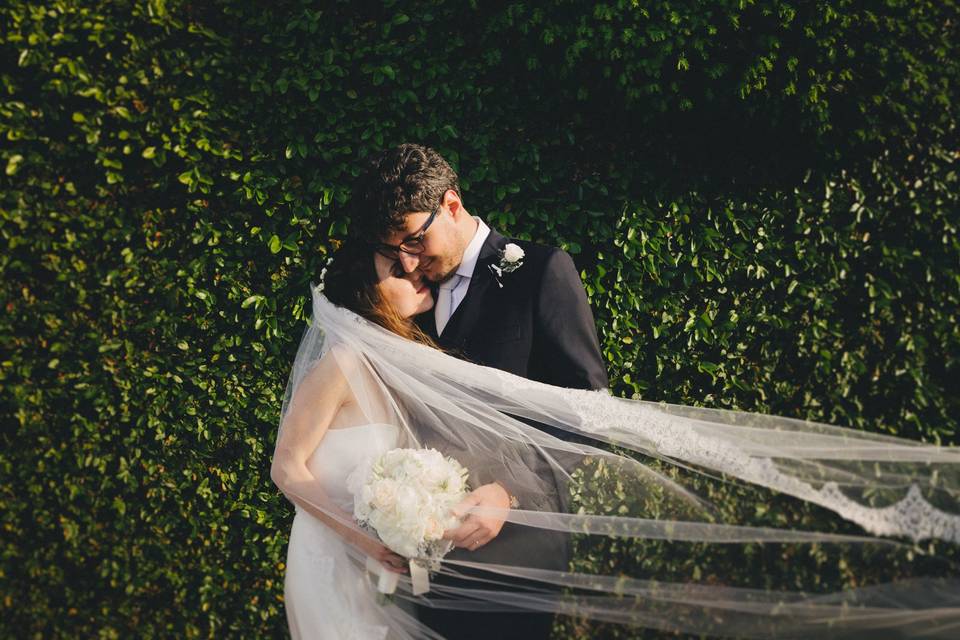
x=541, y=257
x=535, y=252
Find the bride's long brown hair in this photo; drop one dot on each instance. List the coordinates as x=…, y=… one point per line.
x=352, y=282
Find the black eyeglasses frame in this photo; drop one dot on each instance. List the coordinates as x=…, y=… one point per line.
x=412, y=246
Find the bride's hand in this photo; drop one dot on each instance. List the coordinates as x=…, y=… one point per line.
x=390, y=560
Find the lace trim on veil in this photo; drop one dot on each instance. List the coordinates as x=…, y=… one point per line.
x=600, y=414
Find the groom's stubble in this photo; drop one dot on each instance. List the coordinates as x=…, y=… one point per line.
x=450, y=261
x=445, y=277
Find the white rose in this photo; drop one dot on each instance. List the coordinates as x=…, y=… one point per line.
x=391, y=462
x=433, y=476
x=433, y=459
x=411, y=467
x=384, y=494
x=512, y=253
x=454, y=481
x=407, y=502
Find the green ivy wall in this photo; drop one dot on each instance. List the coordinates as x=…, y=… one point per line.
x=762, y=197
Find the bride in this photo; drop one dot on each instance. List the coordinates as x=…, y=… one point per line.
x=365, y=380
x=327, y=432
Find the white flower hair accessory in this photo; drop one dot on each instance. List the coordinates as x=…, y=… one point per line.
x=323, y=272
x=511, y=259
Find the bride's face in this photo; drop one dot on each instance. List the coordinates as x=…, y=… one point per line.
x=409, y=293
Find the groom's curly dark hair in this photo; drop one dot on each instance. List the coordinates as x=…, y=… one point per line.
x=406, y=179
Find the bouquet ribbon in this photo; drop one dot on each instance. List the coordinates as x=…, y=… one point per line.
x=387, y=580
x=419, y=578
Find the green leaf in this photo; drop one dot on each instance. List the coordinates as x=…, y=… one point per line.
x=13, y=164
x=250, y=300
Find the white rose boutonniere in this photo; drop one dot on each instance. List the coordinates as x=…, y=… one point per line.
x=511, y=259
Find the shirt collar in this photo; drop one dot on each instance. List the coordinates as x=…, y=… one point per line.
x=472, y=252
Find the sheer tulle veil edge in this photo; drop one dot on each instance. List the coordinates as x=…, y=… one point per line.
x=897, y=491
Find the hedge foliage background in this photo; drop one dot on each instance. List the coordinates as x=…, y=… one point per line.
x=762, y=196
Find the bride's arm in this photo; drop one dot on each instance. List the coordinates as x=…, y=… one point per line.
x=315, y=403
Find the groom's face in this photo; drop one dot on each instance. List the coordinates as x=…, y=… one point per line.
x=442, y=248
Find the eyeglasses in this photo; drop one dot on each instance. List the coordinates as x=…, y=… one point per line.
x=413, y=245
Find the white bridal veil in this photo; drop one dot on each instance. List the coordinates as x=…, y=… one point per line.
x=650, y=476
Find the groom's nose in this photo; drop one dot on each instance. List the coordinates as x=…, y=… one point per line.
x=409, y=262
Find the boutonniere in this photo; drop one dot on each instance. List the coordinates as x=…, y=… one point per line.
x=511, y=259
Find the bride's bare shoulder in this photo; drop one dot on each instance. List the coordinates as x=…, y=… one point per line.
x=347, y=358
x=339, y=363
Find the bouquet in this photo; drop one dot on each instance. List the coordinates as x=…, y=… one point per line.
x=406, y=496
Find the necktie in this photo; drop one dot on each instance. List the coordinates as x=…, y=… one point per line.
x=444, y=307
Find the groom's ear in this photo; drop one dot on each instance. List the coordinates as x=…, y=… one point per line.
x=452, y=202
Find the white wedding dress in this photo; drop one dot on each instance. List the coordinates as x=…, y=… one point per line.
x=327, y=595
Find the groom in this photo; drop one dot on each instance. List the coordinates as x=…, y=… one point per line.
x=512, y=305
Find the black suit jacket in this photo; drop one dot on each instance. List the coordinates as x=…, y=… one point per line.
x=538, y=325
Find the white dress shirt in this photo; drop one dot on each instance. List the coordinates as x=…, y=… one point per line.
x=467, y=264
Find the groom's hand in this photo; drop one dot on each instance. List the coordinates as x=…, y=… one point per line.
x=477, y=530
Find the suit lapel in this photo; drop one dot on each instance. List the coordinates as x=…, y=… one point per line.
x=465, y=317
